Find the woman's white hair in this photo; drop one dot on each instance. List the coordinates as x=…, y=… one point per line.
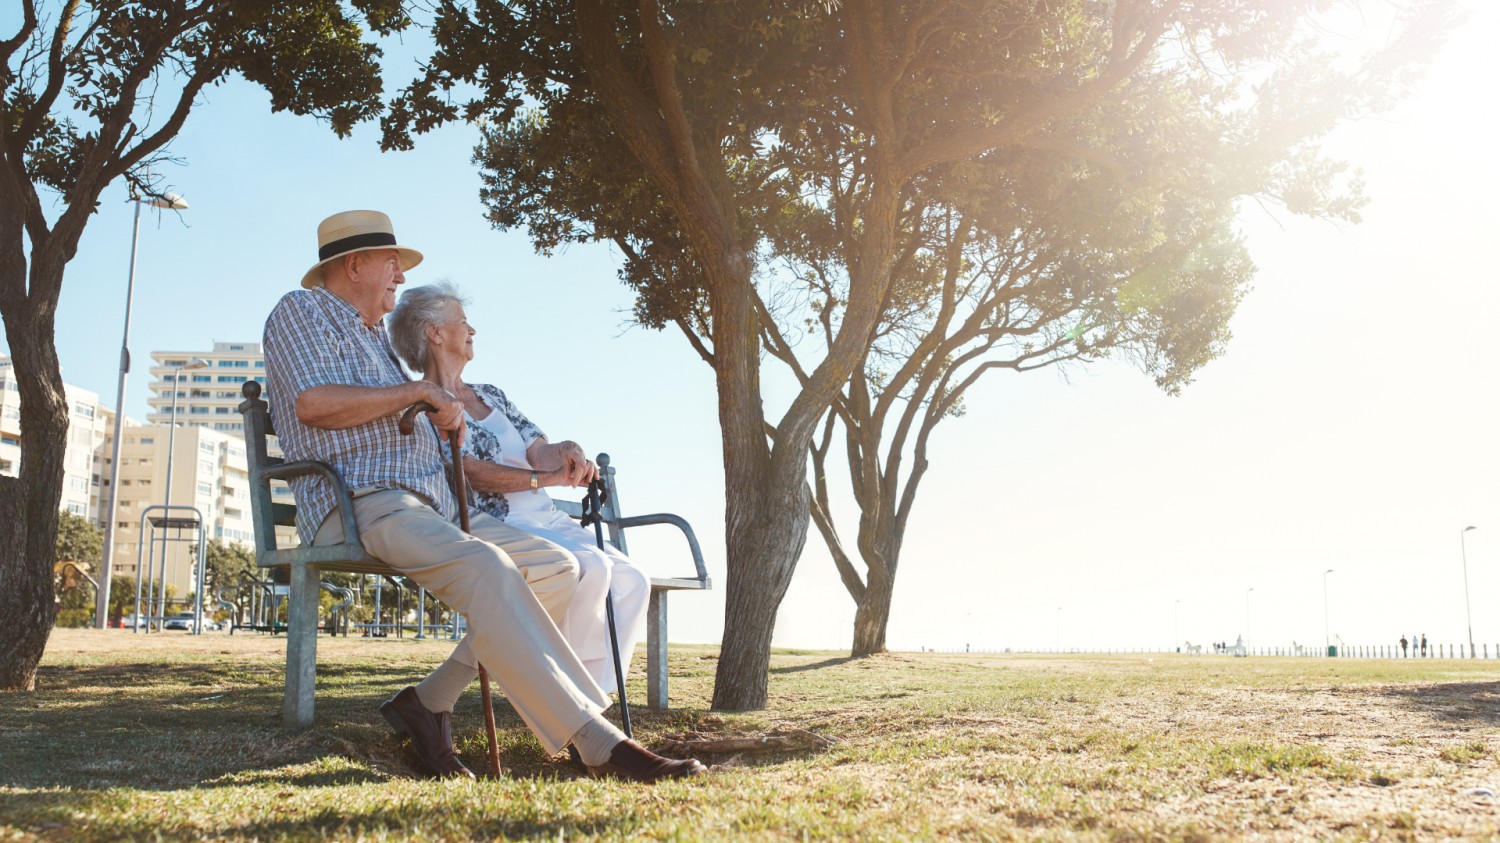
x=420, y=307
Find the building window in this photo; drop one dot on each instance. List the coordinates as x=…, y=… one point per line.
x=236, y=348
x=174, y=362
x=231, y=378
x=260, y=364
x=207, y=447
x=205, y=489
x=83, y=410
x=78, y=509
x=147, y=440
x=200, y=411
x=223, y=410
x=203, y=378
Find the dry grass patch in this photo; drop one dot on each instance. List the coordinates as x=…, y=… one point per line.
x=178, y=738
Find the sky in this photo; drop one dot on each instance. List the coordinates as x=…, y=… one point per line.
x=1351, y=424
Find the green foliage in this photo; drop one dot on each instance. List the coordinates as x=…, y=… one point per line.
x=225, y=564
x=118, y=64
x=79, y=540
x=1101, y=223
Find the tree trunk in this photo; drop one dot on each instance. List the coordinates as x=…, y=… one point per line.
x=768, y=528
x=766, y=503
x=28, y=504
x=872, y=614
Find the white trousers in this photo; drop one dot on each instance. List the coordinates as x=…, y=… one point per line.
x=584, y=624
x=489, y=574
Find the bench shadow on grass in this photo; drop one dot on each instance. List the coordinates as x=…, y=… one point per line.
x=1473, y=703
x=155, y=727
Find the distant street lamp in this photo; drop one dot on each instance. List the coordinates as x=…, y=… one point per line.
x=1247, y=615
x=195, y=363
x=1463, y=548
x=101, y=608
x=1326, y=642
x=1175, y=639
x=1057, y=643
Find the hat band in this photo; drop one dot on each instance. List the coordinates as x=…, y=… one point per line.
x=359, y=241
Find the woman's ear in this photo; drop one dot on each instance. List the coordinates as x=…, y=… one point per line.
x=434, y=336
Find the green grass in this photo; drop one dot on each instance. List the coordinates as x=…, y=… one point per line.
x=178, y=738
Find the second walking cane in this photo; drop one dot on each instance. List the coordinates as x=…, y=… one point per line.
x=593, y=513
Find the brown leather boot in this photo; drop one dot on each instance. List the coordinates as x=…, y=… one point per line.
x=633, y=762
x=431, y=733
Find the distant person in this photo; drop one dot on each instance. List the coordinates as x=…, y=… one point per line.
x=1424, y=645
x=1403, y=646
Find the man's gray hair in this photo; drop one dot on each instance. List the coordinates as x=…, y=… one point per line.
x=418, y=308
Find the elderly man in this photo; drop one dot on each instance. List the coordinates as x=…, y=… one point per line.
x=336, y=391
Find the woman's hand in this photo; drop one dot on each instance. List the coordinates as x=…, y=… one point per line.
x=582, y=473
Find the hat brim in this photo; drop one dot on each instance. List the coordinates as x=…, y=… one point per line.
x=314, y=277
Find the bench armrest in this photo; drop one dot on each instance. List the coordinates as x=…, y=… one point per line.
x=342, y=499
x=680, y=523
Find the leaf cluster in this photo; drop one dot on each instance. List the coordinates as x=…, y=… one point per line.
x=93, y=91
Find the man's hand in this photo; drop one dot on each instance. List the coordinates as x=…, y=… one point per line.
x=449, y=413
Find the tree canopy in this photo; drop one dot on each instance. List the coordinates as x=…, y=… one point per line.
x=764, y=164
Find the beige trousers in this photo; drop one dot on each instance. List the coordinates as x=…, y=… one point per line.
x=510, y=586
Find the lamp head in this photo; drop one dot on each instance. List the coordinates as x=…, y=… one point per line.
x=196, y=363
x=1467, y=529
x=171, y=201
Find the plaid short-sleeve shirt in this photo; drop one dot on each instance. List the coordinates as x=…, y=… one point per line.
x=314, y=338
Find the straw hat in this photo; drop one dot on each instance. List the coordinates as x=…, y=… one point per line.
x=356, y=231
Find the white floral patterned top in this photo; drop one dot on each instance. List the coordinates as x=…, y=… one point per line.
x=502, y=438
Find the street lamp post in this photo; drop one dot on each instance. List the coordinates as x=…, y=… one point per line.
x=1326, y=641
x=1175, y=638
x=1463, y=548
x=1057, y=641
x=101, y=607
x=1247, y=615
x=195, y=363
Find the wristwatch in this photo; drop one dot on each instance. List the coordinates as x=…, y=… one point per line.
x=533, y=482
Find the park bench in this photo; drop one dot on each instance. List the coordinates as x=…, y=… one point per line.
x=303, y=565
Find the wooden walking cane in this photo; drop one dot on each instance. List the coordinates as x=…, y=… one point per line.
x=407, y=423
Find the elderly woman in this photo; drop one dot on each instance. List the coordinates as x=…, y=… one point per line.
x=509, y=462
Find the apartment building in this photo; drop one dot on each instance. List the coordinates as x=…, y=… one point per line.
x=208, y=396
x=88, y=433
x=209, y=472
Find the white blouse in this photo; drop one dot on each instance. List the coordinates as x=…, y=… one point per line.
x=513, y=453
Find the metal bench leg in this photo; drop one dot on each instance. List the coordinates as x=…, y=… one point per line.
x=301, y=647
x=656, y=650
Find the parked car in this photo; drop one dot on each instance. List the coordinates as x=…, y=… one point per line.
x=181, y=620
